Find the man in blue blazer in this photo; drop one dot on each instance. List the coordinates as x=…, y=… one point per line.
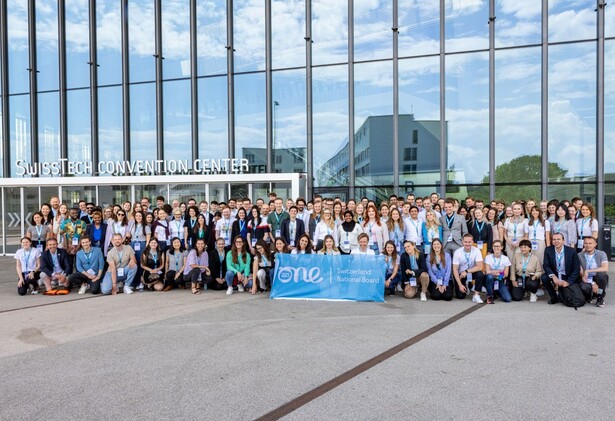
x=292, y=228
x=56, y=265
x=562, y=267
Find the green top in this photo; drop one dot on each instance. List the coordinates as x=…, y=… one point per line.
x=241, y=267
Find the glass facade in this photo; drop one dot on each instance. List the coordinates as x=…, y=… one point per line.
x=363, y=98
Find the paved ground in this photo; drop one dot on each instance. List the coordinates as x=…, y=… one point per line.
x=183, y=357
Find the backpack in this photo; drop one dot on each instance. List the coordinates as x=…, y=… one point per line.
x=572, y=296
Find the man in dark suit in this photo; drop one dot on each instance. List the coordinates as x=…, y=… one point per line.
x=55, y=266
x=454, y=227
x=292, y=228
x=562, y=267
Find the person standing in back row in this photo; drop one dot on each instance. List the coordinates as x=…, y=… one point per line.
x=454, y=227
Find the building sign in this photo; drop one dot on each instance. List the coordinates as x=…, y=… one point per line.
x=64, y=167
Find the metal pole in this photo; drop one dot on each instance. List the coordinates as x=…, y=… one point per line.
x=600, y=189
x=33, y=81
x=492, y=179
x=125, y=80
x=443, y=125
x=4, y=82
x=395, y=30
x=351, y=171
x=268, y=90
x=93, y=88
x=194, y=87
x=230, y=71
x=62, y=81
x=544, y=138
x=159, y=90
x=308, y=97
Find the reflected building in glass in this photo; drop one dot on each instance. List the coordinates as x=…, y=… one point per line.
x=492, y=99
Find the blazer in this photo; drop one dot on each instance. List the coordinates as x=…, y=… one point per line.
x=89, y=231
x=406, y=264
x=572, y=264
x=63, y=259
x=299, y=230
x=457, y=230
x=217, y=268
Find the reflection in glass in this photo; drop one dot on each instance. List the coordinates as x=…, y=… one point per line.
x=250, y=132
x=211, y=37
x=373, y=37
x=19, y=122
x=213, y=118
x=47, y=46
x=109, y=41
x=12, y=210
x=609, y=110
x=419, y=123
x=73, y=194
x=419, y=27
x=110, y=195
x=287, y=33
x=184, y=192
x=249, y=35
x=460, y=192
x=79, y=130
x=176, y=38
x=330, y=116
x=48, y=127
x=587, y=192
x=143, y=122
x=518, y=99
x=77, y=44
x=141, y=38
x=518, y=23
x=110, y=121
x=289, y=121
x=467, y=116
x=18, y=64
x=177, y=129
x=609, y=27
x=373, y=123
x=329, y=32
x=572, y=110
x=466, y=25
x=572, y=20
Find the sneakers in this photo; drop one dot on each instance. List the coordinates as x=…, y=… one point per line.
x=600, y=302
x=140, y=287
x=127, y=290
x=120, y=286
x=533, y=298
x=240, y=287
x=423, y=296
x=229, y=290
x=34, y=291
x=490, y=300
x=476, y=298
x=540, y=292
x=83, y=288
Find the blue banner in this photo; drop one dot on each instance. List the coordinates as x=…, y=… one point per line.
x=320, y=277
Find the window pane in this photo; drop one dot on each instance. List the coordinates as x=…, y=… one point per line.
x=143, y=122
x=419, y=27
x=48, y=127
x=329, y=32
x=467, y=116
x=47, y=46
x=109, y=41
x=609, y=26
x=287, y=33
x=518, y=22
x=373, y=37
x=587, y=192
x=19, y=121
x=141, y=40
x=609, y=110
x=211, y=37
x=213, y=118
x=330, y=116
x=609, y=211
x=572, y=110
x=110, y=121
x=79, y=130
x=77, y=44
x=518, y=98
x=519, y=192
x=460, y=192
x=176, y=38
x=289, y=124
x=250, y=125
x=249, y=35
x=177, y=128
x=419, y=122
x=466, y=25
x=572, y=20
x=373, y=123
x=17, y=23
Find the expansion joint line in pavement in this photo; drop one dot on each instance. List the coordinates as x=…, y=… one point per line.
x=318, y=391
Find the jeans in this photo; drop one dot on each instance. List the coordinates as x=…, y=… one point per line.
x=107, y=282
x=396, y=280
x=230, y=276
x=502, y=288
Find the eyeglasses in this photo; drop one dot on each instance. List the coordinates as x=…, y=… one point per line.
x=121, y=214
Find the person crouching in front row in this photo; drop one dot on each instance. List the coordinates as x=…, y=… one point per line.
x=122, y=267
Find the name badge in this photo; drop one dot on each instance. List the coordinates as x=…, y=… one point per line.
x=559, y=275
x=120, y=271
x=253, y=241
x=168, y=242
x=91, y=272
x=371, y=243
x=496, y=285
x=412, y=282
x=39, y=247
x=469, y=277
x=292, y=243
x=450, y=238
x=137, y=246
x=75, y=241
x=427, y=249
x=534, y=245
x=346, y=244
x=439, y=281
x=580, y=244
x=479, y=244
x=278, y=233
x=521, y=281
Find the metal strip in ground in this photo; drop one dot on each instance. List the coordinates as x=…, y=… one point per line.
x=49, y=304
x=309, y=396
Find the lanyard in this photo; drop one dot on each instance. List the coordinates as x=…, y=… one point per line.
x=291, y=228
x=370, y=228
x=178, y=224
x=524, y=263
x=277, y=217
x=39, y=231
x=535, y=225
x=87, y=257
x=242, y=225
x=154, y=258
x=583, y=221
x=480, y=229
x=117, y=227
x=450, y=220
x=120, y=254
x=416, y=226
x=591, y=261
x=192, y=223
x=27, y=259
x=496, y=262
x=413, y=262
x=558, y=258
x=177, y=260
x=54, y=258
x=468, y=256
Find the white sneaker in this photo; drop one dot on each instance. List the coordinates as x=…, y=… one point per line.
x=127, y=290
x=476, y=298
x=140, y=288
x=34, y=291
x=229, y=290
x=398, y=287
x=240, y=287
x=533, y=298
x=83, y=288
x=540, y=292
x=423, y=296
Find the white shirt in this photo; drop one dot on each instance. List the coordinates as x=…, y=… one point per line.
x=368, y=252
x=423, y=213
x=515, y=230
x=497, y=264
x=223, y=229
x=413, y=230
x=585, y=227
x=27, y=259
x=465, y=260
x=536, y=230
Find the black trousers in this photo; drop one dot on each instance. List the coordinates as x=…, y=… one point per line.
x=77, y=279
x=479, y=282
x=602, y=279
x=530, y=285
x=436, y=295
x=23, y=290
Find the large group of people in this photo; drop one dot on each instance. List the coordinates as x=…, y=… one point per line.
x=432, y=246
